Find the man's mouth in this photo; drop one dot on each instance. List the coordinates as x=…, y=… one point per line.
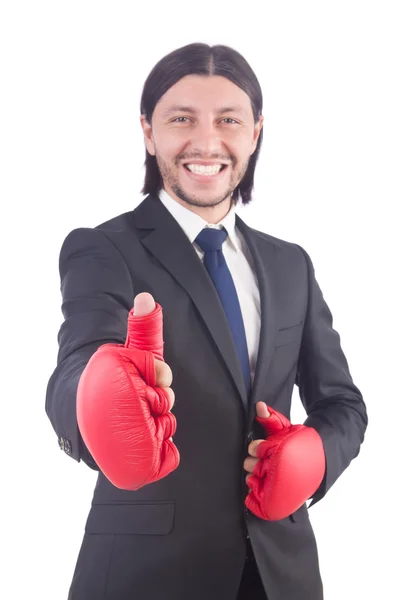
x=205, y=170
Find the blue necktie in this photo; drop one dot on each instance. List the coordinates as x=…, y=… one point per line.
x=210, y=241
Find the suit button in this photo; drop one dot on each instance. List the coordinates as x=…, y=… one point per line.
x=67, y=447
x=250, y=436
x=61, y=443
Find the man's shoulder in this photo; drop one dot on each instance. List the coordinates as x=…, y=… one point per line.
x=118, y=223
x=99, y=235
x=278, y=243
x=289, y=253
x=125, y=221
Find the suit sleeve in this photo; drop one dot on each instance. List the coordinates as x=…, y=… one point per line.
x=334, y=405
x=97, y=294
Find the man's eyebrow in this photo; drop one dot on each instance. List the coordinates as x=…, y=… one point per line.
x=192, y=110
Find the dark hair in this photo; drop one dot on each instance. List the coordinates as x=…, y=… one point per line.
x=201, y=59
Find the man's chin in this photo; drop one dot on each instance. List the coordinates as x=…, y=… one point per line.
x=203, y=199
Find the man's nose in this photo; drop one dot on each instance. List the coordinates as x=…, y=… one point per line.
x=207, y=139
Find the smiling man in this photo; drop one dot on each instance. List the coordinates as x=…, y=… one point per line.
x=203, y=146
x=185, y=332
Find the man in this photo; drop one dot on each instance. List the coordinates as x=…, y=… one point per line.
x=202, y=487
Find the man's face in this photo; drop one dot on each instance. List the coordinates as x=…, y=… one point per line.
x=202, y=121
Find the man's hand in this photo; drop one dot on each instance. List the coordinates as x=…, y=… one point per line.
x=251, y=461
x=285, y=469
x=124, y=403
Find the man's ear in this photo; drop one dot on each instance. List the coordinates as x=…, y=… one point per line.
x=148, y=135
x=257, y=130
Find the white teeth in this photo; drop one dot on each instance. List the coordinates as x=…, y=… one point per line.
x=204, y=169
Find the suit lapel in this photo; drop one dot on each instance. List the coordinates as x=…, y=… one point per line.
x=166, y=240
x=265, y=257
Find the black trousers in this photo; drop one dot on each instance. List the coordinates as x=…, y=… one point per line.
x=251, y=587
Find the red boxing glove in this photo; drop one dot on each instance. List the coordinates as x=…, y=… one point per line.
x=290, y=469
x=123, y=417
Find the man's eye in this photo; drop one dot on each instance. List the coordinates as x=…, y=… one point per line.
x=225, y=119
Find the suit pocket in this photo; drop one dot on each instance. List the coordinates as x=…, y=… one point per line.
x=153, y=518
x=288, y=335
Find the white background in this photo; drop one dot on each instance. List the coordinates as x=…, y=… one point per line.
x=72, y=155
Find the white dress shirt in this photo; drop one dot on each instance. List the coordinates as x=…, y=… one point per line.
x=239, y=260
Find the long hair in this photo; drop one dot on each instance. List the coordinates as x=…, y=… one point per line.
x=201, y=59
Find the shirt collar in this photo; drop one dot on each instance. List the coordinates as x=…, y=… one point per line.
x=192, y=223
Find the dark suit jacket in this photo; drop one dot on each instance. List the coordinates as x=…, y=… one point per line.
x=185, y=535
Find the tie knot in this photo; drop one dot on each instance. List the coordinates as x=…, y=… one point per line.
x=210, y=239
